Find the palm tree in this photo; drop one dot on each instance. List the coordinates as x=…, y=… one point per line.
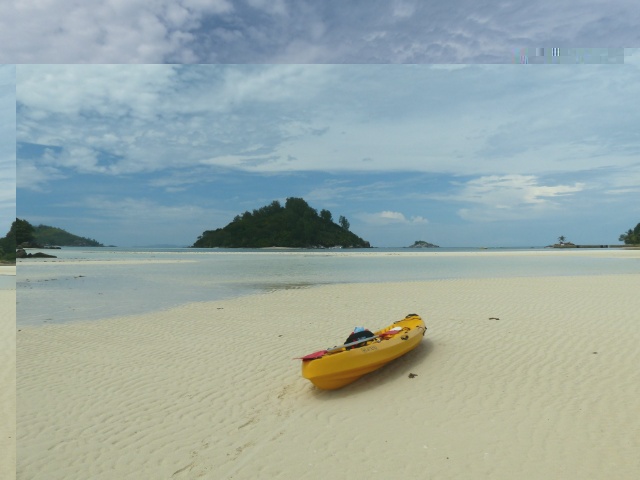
x=561, y=239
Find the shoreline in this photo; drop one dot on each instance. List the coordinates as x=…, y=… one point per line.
x=210, y=388
x=628, y=252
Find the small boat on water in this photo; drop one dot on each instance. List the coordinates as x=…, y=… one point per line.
x=339, y=366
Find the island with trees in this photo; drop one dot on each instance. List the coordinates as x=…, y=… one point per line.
x=294, y=225
x=563, y=243
x=41, y=236
x=46, y=235
x=422, y=244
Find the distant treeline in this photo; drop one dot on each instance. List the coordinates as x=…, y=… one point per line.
x=296, y=225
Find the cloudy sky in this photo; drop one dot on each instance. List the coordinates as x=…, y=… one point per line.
x=7, y=147
x=306, y=31
x=464, y=155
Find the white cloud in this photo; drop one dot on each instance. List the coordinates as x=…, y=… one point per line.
x=488, y=189
x=7, y=147
x=7, y=204
x=403, y=9
x=392, y=216
x=104, y=31
x=622, y=181
x=273, y=7
x=273, y=84
x=329, y=193
x=135, y=209
x=388, y=217
x=373, y=36
x=289, y=31
x=111, y=91
x=480, y=121
x=500, y=197
x=33, y=176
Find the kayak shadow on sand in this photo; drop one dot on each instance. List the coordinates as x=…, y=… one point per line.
x=398, y=370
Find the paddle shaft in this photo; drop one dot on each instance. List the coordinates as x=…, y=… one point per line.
x=322, y=353
x=363, y=340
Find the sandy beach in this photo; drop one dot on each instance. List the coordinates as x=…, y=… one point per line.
x=7, y=378
x=529, y=378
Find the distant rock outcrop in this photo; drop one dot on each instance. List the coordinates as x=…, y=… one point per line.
x=423, y=244
x=21, y=253
x=564, y=245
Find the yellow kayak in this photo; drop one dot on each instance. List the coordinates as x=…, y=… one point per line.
x=339, y=366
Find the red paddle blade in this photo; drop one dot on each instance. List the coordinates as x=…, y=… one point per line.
x=391, y=332
x=311, y=356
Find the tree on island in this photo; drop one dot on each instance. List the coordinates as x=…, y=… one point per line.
x=23, y=231
x=296, y=225
x=563, y=243
x=631, y=237
x=8, y=246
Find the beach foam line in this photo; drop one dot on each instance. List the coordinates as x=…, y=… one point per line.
x=516, y=378
x=7, y=384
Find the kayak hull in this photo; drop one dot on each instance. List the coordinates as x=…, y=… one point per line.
x=335, y=370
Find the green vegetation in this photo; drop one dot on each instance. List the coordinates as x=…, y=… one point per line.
x=46, y=235
x=563, y=243
x=631, y=237
x=423, y=244
x=296, y=225
x=23, y=233
x=8, y=246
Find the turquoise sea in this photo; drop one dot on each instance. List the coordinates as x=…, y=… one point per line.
x=95, y=283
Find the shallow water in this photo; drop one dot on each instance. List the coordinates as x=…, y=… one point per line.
x=86, y=284
x=7, y=282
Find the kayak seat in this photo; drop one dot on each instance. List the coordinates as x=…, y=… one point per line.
x=354, y=337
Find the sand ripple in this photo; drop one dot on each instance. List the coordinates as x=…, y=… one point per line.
x=531, y=378
x=7, y=383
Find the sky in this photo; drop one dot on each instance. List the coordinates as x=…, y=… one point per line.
x=454, y=154
x=148, y=122
x=7, y=147
x=306, y=31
